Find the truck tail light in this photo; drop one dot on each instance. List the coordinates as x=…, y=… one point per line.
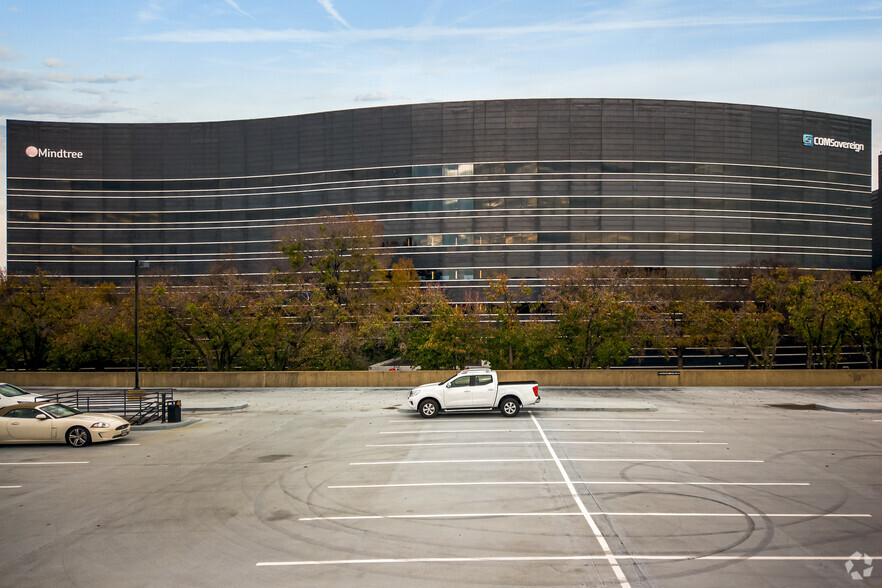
x=536, y=390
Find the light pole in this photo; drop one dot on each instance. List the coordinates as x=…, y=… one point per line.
x=138, y=264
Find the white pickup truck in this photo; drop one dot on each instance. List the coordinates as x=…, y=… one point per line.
x=473, y=389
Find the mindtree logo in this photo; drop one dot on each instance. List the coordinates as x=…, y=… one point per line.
x=811, y=140
x=32, y=151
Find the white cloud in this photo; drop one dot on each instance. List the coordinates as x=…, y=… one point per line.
x=374, y=97
x=328, y=5
x=67, y=78
x=12, y=79
x=52, y=62
x=152, y=13
x=7, y=54
x=113, y=78
x=29, y=106
x=235, y=7
x=428, y=33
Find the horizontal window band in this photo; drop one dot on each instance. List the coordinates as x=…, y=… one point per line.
x=454, y=205
x=510, y=232
x=607, y=215
x=412, y=165
x=673, y=249
x=29, y=226
x=415, y=202
x=405, y=250
x=162, y=195
x=467, y=282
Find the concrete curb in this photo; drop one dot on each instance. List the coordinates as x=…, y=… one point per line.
x=213, y=408
x=154, y=426
x=840, y=409
x=164, y=426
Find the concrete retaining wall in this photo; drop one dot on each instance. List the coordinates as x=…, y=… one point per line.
x=578, y=378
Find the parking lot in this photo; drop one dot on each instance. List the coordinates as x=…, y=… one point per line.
x=337, y=487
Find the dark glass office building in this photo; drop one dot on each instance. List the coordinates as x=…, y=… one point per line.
x=466, y=190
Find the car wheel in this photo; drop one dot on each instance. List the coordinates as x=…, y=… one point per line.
x=509, y=407
x=78, y=437
x=429, y=408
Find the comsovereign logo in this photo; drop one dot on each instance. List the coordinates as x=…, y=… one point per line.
x=810, y=140
x=858, y=558
x=32, y=151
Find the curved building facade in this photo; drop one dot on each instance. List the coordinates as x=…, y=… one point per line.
x=464, y=189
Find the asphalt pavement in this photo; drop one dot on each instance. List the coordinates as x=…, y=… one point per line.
x=594, y=487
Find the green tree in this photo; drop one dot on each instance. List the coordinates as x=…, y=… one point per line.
x=758, y=331
x=342, y=297
x=543, y=347
x=453, y=337
x=507, y=343
x=679, y=312
x=822, y=313
x=867, y=333
x=339, y=254
x=162, y=344
x=36, y=311
x=392, y=314
x=100, y=334
x=219, y=318
x=593, y=321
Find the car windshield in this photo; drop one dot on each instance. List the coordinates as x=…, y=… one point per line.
x=59, y=411
x=9, y=390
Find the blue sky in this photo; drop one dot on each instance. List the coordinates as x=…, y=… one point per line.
x=178, y=60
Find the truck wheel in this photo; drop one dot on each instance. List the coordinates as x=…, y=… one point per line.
x=429, y=408
x=509, y=406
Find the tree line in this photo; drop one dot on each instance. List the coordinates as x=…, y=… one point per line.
x=343, y=306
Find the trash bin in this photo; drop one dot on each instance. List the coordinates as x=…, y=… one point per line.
x=173, y=411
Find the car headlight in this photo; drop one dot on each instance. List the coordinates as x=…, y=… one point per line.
x=100, y=426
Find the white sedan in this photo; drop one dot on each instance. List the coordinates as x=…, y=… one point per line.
x=10, y=395
x=50, y=422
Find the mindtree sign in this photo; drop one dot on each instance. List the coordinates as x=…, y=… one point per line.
x=811, y=140
x=32, y=151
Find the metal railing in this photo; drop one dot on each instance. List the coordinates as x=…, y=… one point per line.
x=136, y=406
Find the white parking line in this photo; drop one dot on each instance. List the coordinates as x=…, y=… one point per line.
x=578, y=514
x=9, y=487
x=543, y=419
x=495, y=419
x=604, y=546
x=566, y=482
x=28, y=463
x=453, y=431
x=535, y=459
x=541, y=443
x=564, y=558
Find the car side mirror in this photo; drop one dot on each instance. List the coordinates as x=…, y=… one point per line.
x=42, y=417
x=449, y=385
